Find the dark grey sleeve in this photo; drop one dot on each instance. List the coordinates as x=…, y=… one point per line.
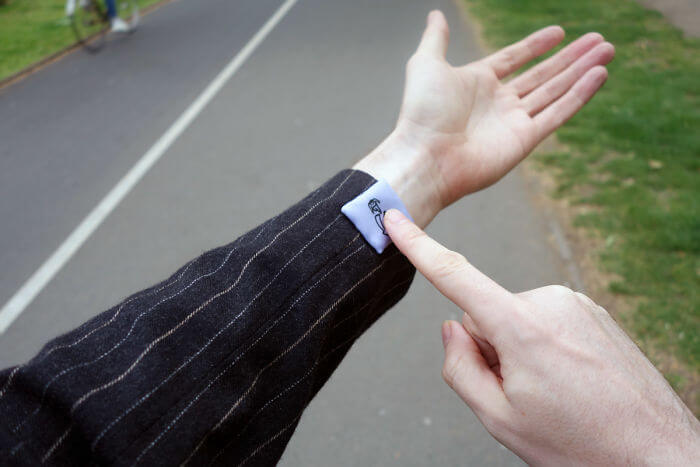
x=215, y=364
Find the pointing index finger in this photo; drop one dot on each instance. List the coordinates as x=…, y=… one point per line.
x=478, y=295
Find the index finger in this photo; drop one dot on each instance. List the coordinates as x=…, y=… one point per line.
x=484, y=300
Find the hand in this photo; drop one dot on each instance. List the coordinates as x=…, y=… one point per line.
x=462, y=128
x=548, y=372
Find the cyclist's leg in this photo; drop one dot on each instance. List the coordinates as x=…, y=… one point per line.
x=111, y=8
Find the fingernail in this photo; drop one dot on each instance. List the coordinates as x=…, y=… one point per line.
x=446, y=333
x=394, y=216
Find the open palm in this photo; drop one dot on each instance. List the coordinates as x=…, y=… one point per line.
x=477, y=127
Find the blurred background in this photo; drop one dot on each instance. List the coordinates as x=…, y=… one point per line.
x=235, y=117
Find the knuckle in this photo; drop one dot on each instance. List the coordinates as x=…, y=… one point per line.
x=600, y=313
x=538, y=75
x=447, y=375
x=509, y=59
x=452, y=368
x=530, y=326
x=496, y=423
x=586, y=300
x=560, y=292
x=448, y=263
x=415, y=236
x=442, y=29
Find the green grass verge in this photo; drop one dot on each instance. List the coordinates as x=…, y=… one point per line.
x=33, y=29
x=632, y=158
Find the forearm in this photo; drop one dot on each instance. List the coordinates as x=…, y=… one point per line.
x=219, y=359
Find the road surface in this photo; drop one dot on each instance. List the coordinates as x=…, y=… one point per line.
x=318, y=93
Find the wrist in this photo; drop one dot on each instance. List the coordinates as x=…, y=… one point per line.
x=411, y=172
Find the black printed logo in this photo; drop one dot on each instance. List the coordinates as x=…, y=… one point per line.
x=378, y=214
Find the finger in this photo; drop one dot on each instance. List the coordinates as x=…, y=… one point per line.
x=566, y=106
x=549, y=68
x=468, y=374
x=541, y=97
x=485, y=301
x=509, y=59
x=486, y=349
x=436, y=35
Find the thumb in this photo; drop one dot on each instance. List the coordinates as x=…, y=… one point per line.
x=436, y=35
x=466, y=371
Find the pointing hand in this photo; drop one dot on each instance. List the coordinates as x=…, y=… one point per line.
x=548, y=372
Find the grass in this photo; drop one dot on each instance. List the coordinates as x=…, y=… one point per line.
x=33, y=29
x=632, y=158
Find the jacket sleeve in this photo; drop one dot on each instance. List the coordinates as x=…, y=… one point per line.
x=215, y=364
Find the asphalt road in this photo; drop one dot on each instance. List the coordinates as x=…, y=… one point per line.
x=320, y=91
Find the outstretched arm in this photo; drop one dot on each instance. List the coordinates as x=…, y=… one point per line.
x=218, y=361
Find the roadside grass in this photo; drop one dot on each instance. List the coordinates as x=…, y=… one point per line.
x=632, y=159
x=33, y=29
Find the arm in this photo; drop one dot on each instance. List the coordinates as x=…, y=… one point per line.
x=219, y=358
x=218, y=362
x=548, y=372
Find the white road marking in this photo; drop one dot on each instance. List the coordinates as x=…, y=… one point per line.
x=42, y=276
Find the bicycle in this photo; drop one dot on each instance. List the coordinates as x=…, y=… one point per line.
x=90, y=23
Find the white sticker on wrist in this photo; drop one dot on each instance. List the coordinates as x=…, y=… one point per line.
x=366, y=212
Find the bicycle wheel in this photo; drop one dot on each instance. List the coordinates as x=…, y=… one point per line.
x=89, y=23
x=128, y=10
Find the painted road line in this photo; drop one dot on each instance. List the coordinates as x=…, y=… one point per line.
x=42, y=276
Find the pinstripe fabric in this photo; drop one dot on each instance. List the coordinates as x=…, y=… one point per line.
x=216, y=364
x=92, y=361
